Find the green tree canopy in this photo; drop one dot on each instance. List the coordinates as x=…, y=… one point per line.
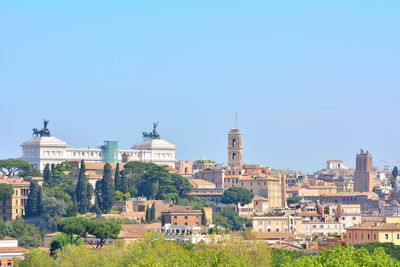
x=237, y=195
x=345, y=256
x=6, y=191
x=34, y=202
x=10, y=167
x=82, y=192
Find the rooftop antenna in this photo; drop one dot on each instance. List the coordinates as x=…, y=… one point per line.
x=235, y=126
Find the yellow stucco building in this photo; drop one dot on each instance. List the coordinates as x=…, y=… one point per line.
x=11, y=209
x=386, y=231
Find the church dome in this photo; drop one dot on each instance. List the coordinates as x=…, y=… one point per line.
x=154, y=144
x=45, y=141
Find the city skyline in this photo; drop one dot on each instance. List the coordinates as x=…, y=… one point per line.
x=309, y=81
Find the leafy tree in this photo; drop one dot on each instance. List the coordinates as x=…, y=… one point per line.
x=153, y=212
x=10, y=167
x=6, y=191
x=291, y=200
x=237, y=195
x=60, y=241
x=82, y=191
x=345, y=256
x=282, y=256
x=230, y=220
x=121, y=196
x=74, y=228
x=138, y=167
x=103, y=230
x=28, y=235
x=153, y=250
x=46, y=173
x=33, y=205
x=390, y=248
x=53, y=207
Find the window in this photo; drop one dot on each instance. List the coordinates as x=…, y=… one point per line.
x=314, y=226
x=374, y=236
x=354, y=218
x=321, y=226
x=260, y=223
x=350, y=235
x=186, y=217
x=356, y=236
x=269, y=230
x=398, y=236
x=186, y=223
x=277, y=229
x=175, y=217
x=368, y=236
x=386, y=236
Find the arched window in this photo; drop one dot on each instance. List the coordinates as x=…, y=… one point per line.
x=233, y=142
x=234, y=156
x=186, y=170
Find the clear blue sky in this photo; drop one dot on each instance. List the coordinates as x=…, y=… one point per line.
x=310, y=80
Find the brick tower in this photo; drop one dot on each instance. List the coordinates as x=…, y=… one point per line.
x=363, y=176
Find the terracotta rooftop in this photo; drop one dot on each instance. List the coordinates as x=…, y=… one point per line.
x=205, y=193
x=274, y=235
x=14, y=181
x=257, y=197
x=8, y=238
x=100, y=165
x=376, y=226
x=182, y=210
x=94, y=175
x=370, y=195
x=198, y=182
x=13, y=250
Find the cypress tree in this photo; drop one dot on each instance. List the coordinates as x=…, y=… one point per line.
x=33, y=198
x=98, y=194
x=107, y=189
x=39, y=201
x=123, y=183
x=46, y=173
x=81, y=191
x=153, y=212
x=148, y=219
x=117, y=178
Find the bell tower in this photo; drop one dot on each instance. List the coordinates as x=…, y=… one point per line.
x=235, y=150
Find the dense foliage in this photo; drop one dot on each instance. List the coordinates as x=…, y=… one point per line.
x=230, y=220
x=282, y=256
x=390, y=248
x=237, y=195
x=154, y=182
x=34, y=203
x=345, y=256
x=79, y=227
x=291, y=200
x=154, y=251
x=83, y=191
x=28, y=235
x=6, y=191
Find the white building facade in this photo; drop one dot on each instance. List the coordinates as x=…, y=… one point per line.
x=40, y=151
